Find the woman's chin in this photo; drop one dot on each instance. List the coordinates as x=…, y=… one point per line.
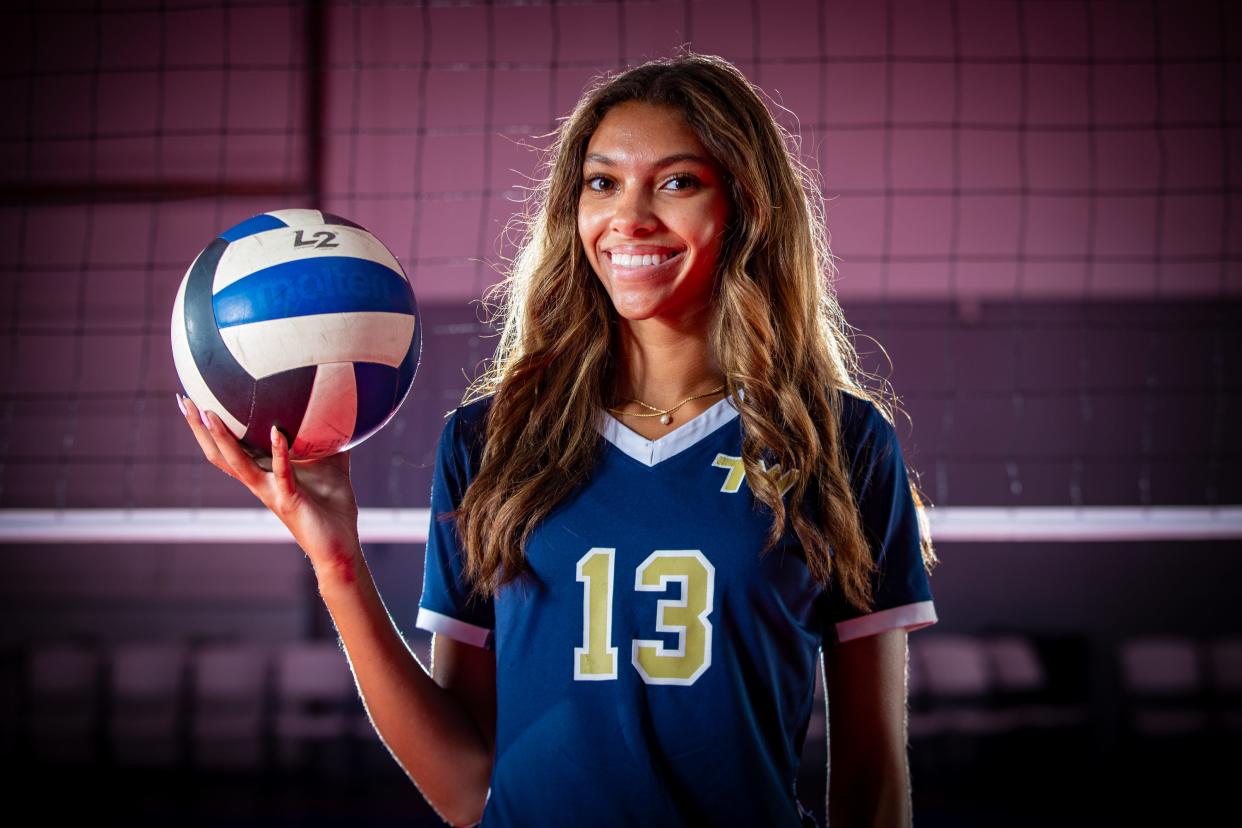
x=673, y=316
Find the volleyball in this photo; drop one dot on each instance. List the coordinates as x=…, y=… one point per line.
x=301, y=319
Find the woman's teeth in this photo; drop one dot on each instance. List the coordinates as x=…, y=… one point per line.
x=646, y=260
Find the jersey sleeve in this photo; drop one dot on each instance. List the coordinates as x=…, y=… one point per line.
x=893, y=527
x=444, y=606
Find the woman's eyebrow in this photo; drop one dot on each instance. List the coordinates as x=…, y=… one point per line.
x=675, y=158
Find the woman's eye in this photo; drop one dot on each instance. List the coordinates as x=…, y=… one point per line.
x=680, y=182
x=689, y=180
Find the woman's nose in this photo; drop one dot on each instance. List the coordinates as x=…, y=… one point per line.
x=633, y=213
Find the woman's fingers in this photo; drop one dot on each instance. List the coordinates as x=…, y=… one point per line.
x=220, y=446
x=205, y=441
x=282, y=470
x=242, y=464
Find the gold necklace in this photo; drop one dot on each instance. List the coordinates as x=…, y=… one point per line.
x=666, y=416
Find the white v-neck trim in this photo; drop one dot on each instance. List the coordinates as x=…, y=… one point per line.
x=650, y=452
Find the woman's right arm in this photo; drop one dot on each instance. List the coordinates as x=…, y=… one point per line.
x=436, y=728
x=426, y=723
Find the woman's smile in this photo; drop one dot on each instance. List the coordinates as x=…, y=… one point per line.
x=627, y=267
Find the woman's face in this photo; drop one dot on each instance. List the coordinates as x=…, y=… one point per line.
x=650, y=190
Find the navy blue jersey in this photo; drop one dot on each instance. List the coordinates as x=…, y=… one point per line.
x=656, y=670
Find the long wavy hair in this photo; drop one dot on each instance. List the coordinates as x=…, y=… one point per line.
x=776, y=329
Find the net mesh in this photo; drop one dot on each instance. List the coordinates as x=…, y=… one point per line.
x=1032, y=206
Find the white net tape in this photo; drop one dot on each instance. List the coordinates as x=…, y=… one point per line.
x=948, y=524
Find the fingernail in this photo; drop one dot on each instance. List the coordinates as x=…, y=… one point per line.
x=202, y=413
x=275, y=435
x=180, y=405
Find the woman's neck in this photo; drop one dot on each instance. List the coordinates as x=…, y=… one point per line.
x=662, y=365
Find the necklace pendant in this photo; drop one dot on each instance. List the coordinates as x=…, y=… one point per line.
x=666, y=418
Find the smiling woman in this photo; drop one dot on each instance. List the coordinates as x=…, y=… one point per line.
x=671, y=487
x=630, y=613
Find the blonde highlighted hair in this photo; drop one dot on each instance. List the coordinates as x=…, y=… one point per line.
x=776, y=330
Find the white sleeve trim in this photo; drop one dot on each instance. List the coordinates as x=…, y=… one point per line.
x=436, y=622
x=911, y=616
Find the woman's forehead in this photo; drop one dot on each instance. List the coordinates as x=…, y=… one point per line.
x=635, y=121
x=646, y=135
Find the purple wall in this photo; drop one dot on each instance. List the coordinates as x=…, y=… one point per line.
x=1032, y=205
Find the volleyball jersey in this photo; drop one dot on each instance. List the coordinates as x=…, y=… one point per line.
x=655, y=669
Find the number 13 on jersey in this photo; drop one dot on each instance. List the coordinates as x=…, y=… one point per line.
x=596, y=659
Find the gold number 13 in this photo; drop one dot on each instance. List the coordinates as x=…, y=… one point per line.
x=596, y=659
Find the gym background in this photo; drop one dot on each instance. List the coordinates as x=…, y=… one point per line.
x=1034, y=208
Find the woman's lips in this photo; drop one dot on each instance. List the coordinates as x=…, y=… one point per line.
x=643, y=271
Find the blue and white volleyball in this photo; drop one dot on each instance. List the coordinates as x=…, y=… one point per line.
x=302, y=319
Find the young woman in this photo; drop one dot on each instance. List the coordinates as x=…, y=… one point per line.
x=668, y=493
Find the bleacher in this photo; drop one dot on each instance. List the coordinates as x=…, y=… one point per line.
x=1000, y=723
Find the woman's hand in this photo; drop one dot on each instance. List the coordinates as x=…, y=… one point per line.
x=313, y=498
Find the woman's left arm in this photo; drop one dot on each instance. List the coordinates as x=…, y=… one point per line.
x=869, y=778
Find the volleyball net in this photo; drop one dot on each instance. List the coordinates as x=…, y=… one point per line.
x=1032, y=208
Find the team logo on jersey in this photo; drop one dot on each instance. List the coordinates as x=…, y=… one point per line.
x=737, y=473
